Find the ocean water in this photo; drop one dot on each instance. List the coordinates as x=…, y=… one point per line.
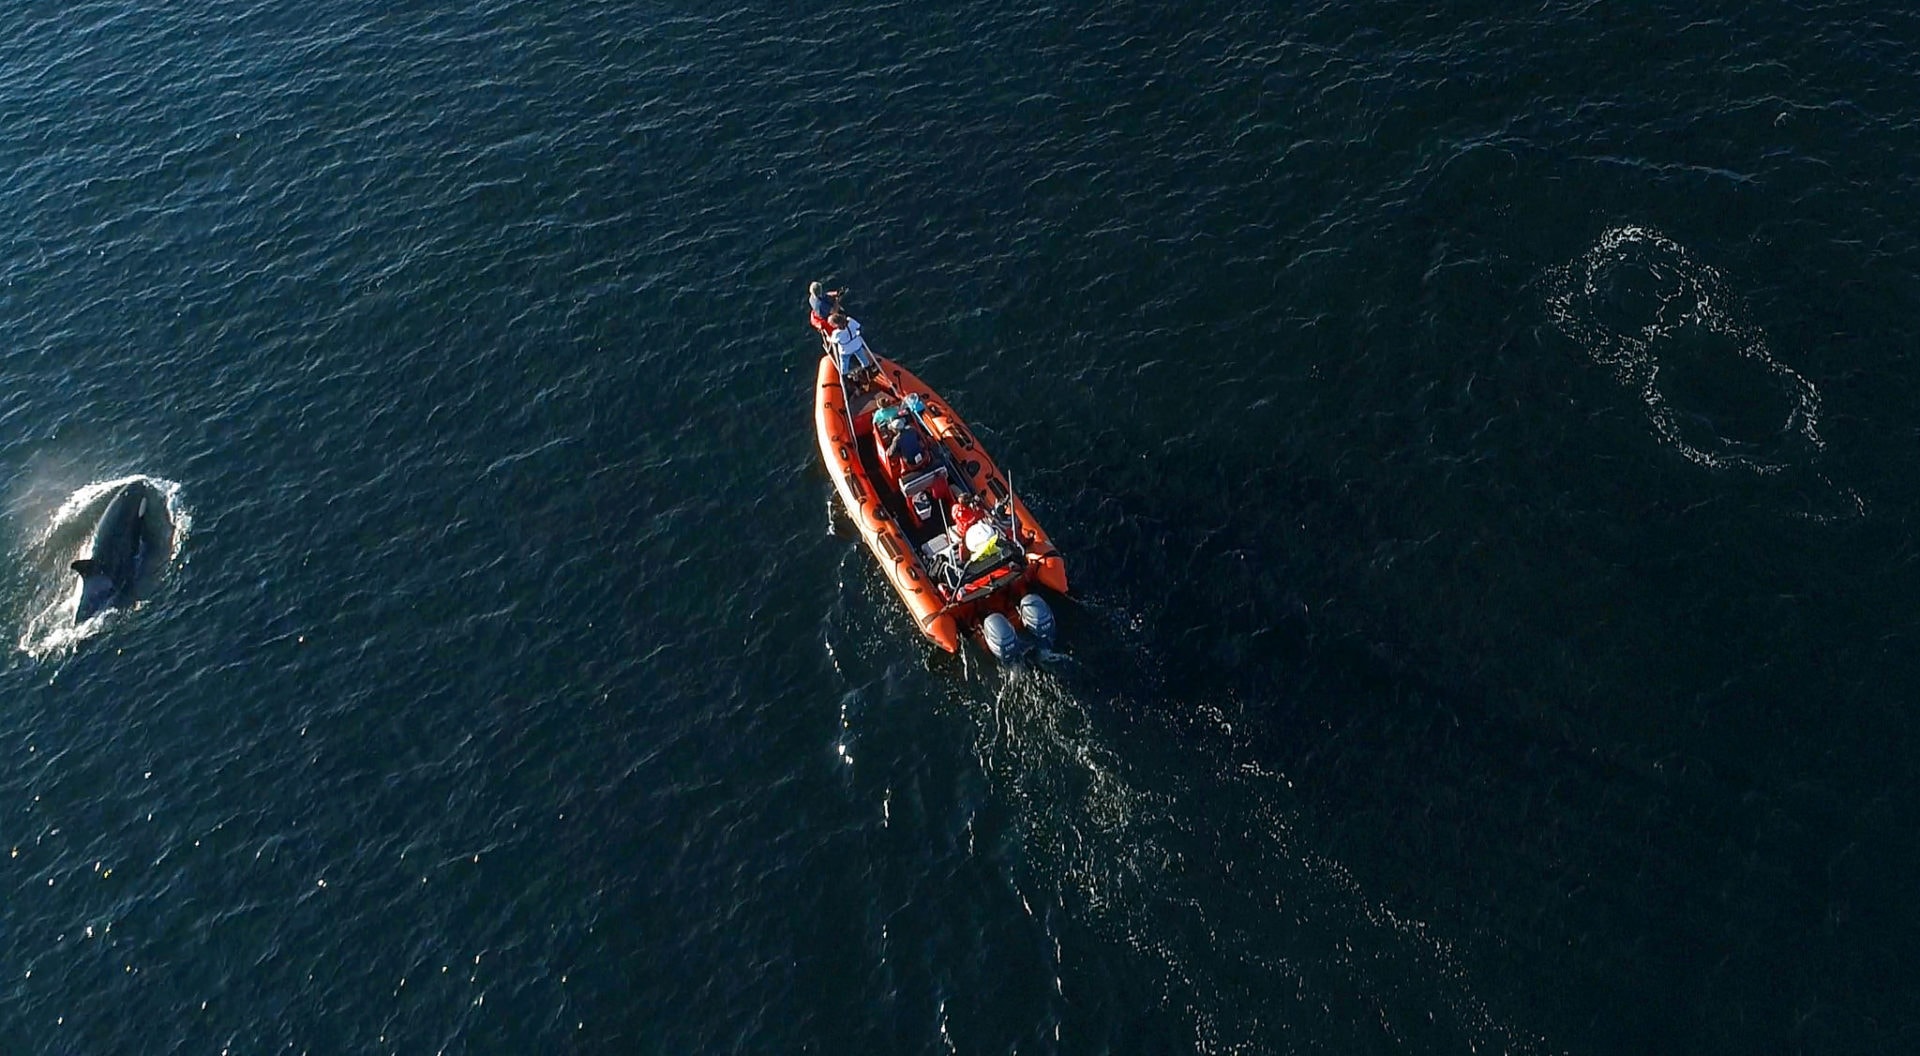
x=1480, y=435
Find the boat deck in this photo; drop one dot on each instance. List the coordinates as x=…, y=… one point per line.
x=896, y=504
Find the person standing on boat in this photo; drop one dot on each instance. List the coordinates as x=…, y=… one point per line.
x=822, y=302
x=851, y=348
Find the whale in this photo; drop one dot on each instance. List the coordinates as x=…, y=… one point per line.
x=119, y=550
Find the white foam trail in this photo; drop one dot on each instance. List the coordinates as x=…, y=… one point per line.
x=52, y=630
x=49, y=628
x=1116, y=849
x=1125, y=854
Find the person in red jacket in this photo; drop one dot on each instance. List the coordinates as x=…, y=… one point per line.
x=967, y=512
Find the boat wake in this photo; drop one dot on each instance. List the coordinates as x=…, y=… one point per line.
x=1187, y=858
x=50, y=588
x=1172, y=852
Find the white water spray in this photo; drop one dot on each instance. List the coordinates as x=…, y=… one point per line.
x=52, y=590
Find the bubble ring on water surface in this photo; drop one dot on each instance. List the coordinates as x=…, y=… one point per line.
x=1691, y=294
x=50, y=627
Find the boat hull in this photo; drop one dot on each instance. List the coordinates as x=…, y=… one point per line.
x=942, y=618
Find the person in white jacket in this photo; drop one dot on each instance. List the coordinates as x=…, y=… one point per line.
x=854, y=356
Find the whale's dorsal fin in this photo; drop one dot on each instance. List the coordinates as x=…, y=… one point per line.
x=87, y=566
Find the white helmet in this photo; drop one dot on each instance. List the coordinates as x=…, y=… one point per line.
x=982, y=538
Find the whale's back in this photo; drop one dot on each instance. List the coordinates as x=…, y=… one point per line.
x=113, y=563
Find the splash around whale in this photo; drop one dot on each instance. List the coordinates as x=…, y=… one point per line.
x=104, y=551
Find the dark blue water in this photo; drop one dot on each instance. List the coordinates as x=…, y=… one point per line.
x=1481, y=437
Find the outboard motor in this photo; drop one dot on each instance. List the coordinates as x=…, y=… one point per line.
x=1037, y=618
x=1002, y=640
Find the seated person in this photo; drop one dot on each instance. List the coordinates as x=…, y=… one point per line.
x=885, y=414
x=822, y=303
x=854, y=356
x=966, y=513
x=905, y=450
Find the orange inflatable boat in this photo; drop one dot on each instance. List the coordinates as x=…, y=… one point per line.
x=960, y=548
